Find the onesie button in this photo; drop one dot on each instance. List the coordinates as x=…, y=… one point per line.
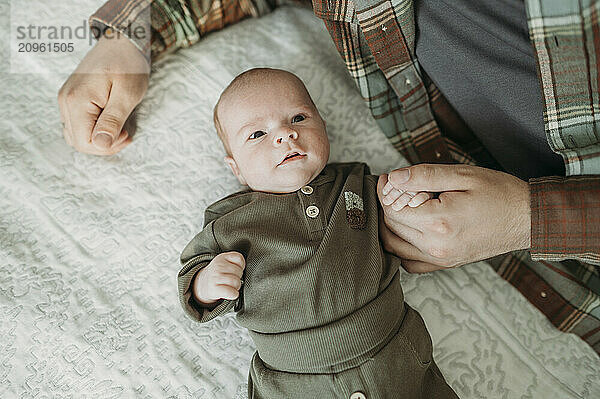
x=358, y=395
x=312, y=211
x=308, y=190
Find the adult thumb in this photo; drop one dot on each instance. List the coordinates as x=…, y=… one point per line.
x=430, y=178
x=110, y=121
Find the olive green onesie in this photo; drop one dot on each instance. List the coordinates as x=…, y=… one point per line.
x=320, y=297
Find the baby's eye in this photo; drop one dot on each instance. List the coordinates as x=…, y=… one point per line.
x=256, y=134
x=298, y=118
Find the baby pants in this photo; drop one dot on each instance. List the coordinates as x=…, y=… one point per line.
x=402, y=368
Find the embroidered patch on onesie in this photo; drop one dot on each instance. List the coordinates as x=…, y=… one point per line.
x=355, y=213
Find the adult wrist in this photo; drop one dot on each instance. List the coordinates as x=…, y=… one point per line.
x=125, y=18
x=524, y=217
x=527, y=221
x=125, y=45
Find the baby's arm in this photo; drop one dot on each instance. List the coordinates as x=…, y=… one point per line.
x=202, y=282
x=220, y=279
x=399, y=199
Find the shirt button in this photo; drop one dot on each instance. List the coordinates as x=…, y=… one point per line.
x=438, y=154
x=407, y=81
x=308, y=190
x=312, y=211
x=358, y=395
x=543, y=294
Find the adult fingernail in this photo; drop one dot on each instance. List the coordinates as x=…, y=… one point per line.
x=401, y=176
x=102, y=140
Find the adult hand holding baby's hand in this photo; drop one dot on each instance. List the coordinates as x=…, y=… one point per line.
x=479, y=213
x=220, y=279
x=99, y=96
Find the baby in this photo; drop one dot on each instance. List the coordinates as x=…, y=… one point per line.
x=297, y=255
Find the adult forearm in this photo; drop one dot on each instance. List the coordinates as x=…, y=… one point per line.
x=565, y=218
x=158, y=27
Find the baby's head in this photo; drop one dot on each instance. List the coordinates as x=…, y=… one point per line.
x=274, y=136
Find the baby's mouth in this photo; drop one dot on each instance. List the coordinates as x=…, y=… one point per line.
x=291, y=156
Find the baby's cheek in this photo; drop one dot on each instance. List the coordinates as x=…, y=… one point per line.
x=324, y=148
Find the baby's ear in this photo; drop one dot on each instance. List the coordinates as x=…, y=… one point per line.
x=234, y=169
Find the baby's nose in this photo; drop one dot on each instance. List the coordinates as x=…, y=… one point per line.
x=287, y=135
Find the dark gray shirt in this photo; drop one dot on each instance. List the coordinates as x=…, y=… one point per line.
x=479, y=55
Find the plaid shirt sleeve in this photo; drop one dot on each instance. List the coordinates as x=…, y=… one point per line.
x=157, y=27
x=565, y=218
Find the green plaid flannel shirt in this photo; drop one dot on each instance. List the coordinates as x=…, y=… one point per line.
x=376, y=39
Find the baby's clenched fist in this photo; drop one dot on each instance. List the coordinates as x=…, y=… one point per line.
x=220, y=279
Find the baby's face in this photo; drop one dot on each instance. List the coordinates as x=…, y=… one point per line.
x=277, y=138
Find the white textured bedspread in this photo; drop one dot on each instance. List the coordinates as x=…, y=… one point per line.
x=89, y=245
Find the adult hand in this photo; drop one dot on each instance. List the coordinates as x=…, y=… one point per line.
x=478, y=214
x=100, y=94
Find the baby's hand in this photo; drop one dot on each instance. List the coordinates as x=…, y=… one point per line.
x=399, y=199
x=220, y=279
